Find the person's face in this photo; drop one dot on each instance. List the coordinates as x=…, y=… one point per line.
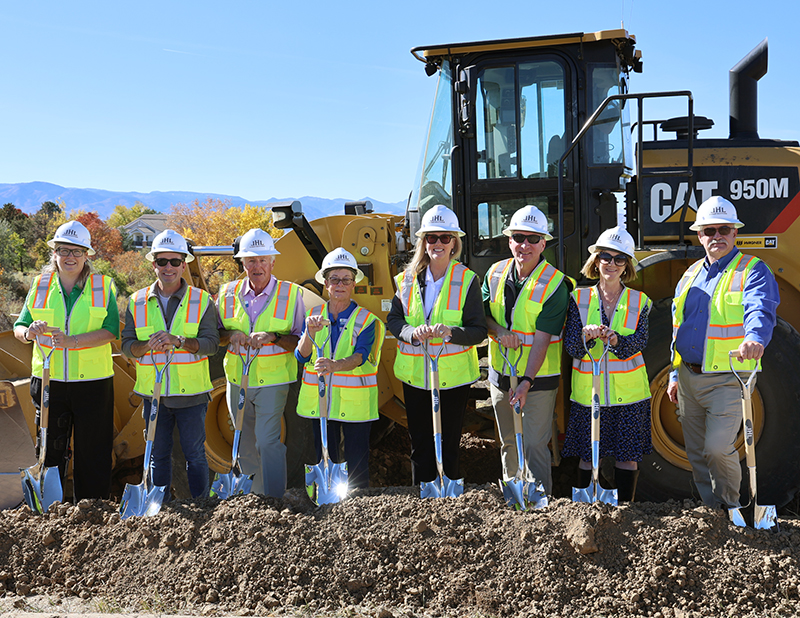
x=526, y=248
x=70, y=259
x=439, y=246
x=611, y=264
x=169, y=274
x=717, y=244
x=340, y=284
x=259, y=270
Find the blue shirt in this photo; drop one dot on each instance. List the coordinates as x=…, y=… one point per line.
x=364, y=340
x=760, y=299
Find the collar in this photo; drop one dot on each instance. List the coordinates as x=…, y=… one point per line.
x=247, y=289
x=152, y=290
x=722, y=264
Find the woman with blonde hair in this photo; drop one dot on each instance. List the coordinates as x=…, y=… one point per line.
x=612, y=314
x=438, y=303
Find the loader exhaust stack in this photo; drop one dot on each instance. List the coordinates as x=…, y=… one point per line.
x=744, y=92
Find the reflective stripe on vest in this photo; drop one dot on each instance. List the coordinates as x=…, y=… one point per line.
x=353, y=395
x=87, y=315
x=725, y=325
x=541, y=284
x=274, y=365
x=458, y=364
x=624, y=380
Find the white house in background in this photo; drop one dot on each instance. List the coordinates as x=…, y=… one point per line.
x=144, y=229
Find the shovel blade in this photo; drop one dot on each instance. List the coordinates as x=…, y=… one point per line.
x=41, y=487
x=139, y=501
x=442, y=487
x=326, y=484
x=231, y=484
x=523, y=495
x=594, y=493
x=764, y=517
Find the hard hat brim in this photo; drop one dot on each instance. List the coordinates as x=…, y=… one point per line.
x=244, y=254
x=52, y=244
x=696, y=227
x=321, y=278
x=436, y=228
x=597, y=248
x=510, y=231
x=152, y=255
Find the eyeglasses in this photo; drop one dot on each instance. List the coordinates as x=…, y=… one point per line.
x=445, y=239
x=64, y=252
x=531, y=238
x=334, y=281
x=173, y=262
x=723, y=230
x=607, y=258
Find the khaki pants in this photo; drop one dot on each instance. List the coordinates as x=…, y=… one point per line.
x=537, y=423
x=710, y=411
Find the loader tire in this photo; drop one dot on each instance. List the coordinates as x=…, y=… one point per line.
x=666, y=474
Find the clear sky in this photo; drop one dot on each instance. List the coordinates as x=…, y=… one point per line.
x=287, y=99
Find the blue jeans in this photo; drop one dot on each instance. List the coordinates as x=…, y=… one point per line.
x=192, y=432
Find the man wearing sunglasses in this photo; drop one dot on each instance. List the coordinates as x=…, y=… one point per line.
x=726, y=301
x=172, y=316
x=525, y=302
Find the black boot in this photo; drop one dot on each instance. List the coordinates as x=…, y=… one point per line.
x=584, y=478
x=626, y=484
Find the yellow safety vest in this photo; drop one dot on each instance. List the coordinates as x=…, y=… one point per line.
x=624, y=381
x=540, y=286
x=188, y=373
x=725, y=331
x=87, y=315
x=458, y=365
x=273, y=365
x=353, y=394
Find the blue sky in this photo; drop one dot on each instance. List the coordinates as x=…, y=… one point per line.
x=279, y=99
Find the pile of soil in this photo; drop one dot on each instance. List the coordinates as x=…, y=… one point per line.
x=385, y=552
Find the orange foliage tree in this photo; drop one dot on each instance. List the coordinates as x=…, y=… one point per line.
x=215, y=222
x=106, y=241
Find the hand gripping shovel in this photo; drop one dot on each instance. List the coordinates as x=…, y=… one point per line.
x=442, y=487
x=326, y=483
x=595, y=493
x=764, y=517
x=234, y=483
x=521, y=492
x=42, y=486
x=144, y=499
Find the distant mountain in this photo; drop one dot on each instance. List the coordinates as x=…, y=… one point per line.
x=28, y=196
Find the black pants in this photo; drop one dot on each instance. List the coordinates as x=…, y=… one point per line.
x=356, y=449
x=88, y=407
x=420, y=429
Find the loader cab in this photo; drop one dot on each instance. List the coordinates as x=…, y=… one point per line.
x=504, y=114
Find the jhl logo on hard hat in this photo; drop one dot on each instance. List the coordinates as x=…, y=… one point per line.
x=437, y=219
x=530, y=219
x=718, y=210
x=167, y=240
x=616, y=238
x=70, y=232
x=256, y=243
x=342, y=257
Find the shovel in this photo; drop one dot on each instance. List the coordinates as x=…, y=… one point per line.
x=42, y=486
x=442, y=487
x=234, y=483
x=326, y=482
x=764, y=517
x=595, y=493
x=144, y=499
x=521, y=492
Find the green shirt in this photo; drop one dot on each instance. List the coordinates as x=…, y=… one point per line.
x=111, y=323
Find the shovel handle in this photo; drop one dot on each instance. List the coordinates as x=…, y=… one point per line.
x=747, y=415
x=156, y=400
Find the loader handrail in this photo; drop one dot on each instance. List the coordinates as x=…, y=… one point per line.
x=689, y=171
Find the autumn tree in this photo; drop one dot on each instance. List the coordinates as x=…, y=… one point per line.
x=44, y=224
x=215, y=222
x=123, y=215
x=106, y=241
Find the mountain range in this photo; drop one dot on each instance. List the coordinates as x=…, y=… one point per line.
x=28, y=197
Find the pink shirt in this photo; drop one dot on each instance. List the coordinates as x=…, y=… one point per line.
x=254, y=304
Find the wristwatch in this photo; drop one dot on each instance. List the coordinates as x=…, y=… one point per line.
x=181, y=342
x=527, y=379
x=277, y=338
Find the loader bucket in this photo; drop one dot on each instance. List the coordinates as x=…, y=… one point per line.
x=17, y=450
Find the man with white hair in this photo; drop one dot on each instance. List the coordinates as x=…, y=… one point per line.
x=726, y=301
x=267, y=315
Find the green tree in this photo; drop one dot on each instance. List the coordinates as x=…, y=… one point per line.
x=44, y=224
x=123, y=215
x=13, y=254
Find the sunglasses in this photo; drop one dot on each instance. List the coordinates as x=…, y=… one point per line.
x=607, y=258
x=334, y=281
x=164, y=261
x=531, y=238
x=723, y=230
x=64, y=252
x=445, y=239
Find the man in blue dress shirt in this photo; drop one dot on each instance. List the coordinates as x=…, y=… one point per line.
x=726, y=301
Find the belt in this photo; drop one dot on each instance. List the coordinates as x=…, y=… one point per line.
x=693, y=367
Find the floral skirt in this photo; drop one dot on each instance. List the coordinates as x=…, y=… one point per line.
x=624, y=432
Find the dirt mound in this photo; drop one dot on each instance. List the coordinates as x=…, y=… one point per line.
x=386, y=552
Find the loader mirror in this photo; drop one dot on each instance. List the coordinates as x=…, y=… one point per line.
x=284, y=214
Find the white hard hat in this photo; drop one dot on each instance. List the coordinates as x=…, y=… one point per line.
x=440, y=219
x=72, y=233
x=169, y=241
x=256, y=243
x=716, y=210
x=617, y=239
x=528, y=219
x=338, y=258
